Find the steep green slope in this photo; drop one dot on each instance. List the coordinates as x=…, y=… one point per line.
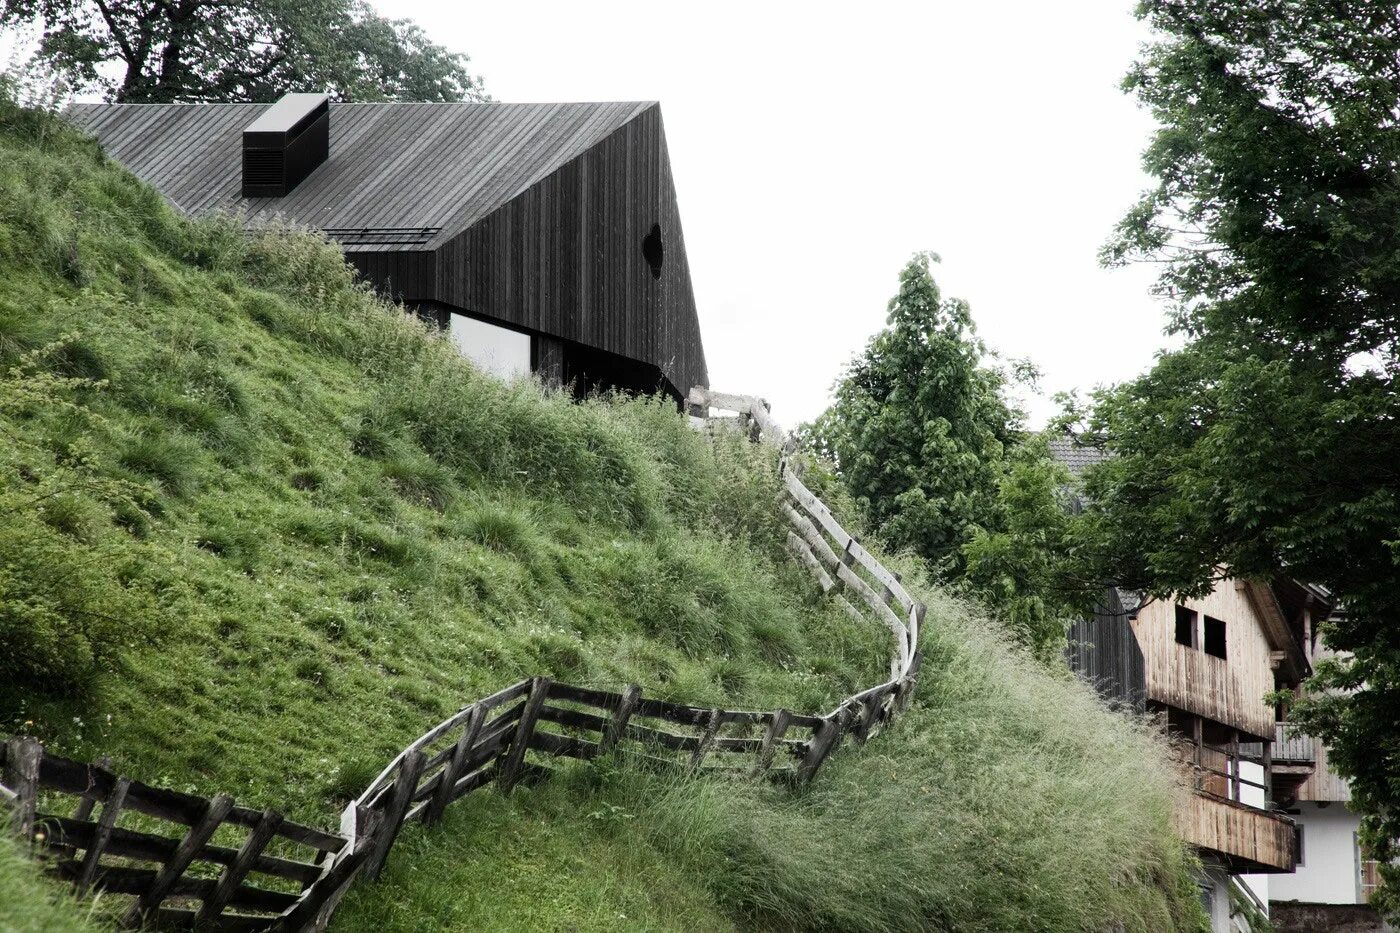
x=262, y=530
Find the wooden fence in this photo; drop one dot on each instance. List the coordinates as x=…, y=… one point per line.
x=189, y=878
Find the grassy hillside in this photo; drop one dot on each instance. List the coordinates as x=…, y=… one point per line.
x=261, y=530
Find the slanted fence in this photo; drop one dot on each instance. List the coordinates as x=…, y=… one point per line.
x=182, y=877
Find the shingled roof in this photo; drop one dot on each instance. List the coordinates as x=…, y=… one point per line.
x=1075, y=458
x=395, y=170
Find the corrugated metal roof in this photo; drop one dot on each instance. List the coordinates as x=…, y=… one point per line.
x=392, y=166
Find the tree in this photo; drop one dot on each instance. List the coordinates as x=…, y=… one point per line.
x=155, y=51
x=922, y=435
x=1271, y=441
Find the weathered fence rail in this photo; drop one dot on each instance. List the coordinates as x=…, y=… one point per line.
x=267, y=873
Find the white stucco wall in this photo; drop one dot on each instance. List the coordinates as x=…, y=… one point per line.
x=1330, y=872
x=497, y=350
x=1254, y=796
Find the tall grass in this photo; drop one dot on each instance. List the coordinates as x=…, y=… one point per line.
x=30, y=904
x=262, y=529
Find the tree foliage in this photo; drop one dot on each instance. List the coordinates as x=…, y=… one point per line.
x=156, y=51
x=1270, y=441
x=922, y=434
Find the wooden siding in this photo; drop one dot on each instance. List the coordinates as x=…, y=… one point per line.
x=1104, y=651
x=531, y=215
x=564, y=257
x=1324, y=785
x=1250, y=839
x=1229, y=690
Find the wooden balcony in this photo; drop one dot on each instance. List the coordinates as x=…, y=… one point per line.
x=1246, y=838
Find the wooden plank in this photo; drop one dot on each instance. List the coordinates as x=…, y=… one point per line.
x=23, y=757
x=475, y=779
x=804, y=554
x=706, y=740
x=886, y=578
x=504, y=696
x=84, y=809
x=819, y=748
x=95, y=846
x=499, y=698
x=574, y=719
x=165, y=880
x=130, y=843
x=121, y=879
x=886, y=615
x=174, y=918
x=589, y=696
x=777, y=728
x=660, y=737
x=246, y=859
x=305, y=914
x=456, y=766
x=816, y=508
x=493, y=737
x=399, y=799
x=515, y=755
x=752, y=745
x=552, y=743
x=803, y=527
x=618, y=726
x=695, y=715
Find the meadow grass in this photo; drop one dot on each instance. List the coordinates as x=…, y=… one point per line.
x=31, y=904
x=261, y=530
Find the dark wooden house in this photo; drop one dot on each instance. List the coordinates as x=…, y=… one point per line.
x=544, y=237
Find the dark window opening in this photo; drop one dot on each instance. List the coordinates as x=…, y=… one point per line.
x=1215, y=637
x=653, y=251
x=1185, y=627
x=1298, y=841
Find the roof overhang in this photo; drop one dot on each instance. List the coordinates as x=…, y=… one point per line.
x=1291, y=665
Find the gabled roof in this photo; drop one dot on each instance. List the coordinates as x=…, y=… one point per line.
x=423, y=171
x=1076, y=458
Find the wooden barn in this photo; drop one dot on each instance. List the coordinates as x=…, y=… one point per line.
x=544, y=237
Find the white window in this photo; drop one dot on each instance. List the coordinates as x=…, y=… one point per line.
x=496, y=350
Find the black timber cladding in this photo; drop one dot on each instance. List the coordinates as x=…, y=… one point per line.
x=533, y=215
x=1104, y=651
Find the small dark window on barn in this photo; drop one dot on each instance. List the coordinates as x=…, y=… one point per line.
x=1185, y=627
x=1215, y=637
x=653, y=251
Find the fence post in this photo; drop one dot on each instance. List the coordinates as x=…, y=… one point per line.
x=400, y=798
x=317, y=902
x=452, y=771
x=777, y=726
x=22, y=756
x=509, y=771
x=823, y=743
x=707, y=739
x=102, y=834
x=197, y=837
x=84, y=809
x=234, y=874
x=618, y=726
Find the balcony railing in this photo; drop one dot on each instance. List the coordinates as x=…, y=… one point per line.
x=1290, y=746
x=1248, y=838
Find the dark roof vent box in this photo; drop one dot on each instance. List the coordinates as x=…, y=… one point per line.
x=285, y=144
